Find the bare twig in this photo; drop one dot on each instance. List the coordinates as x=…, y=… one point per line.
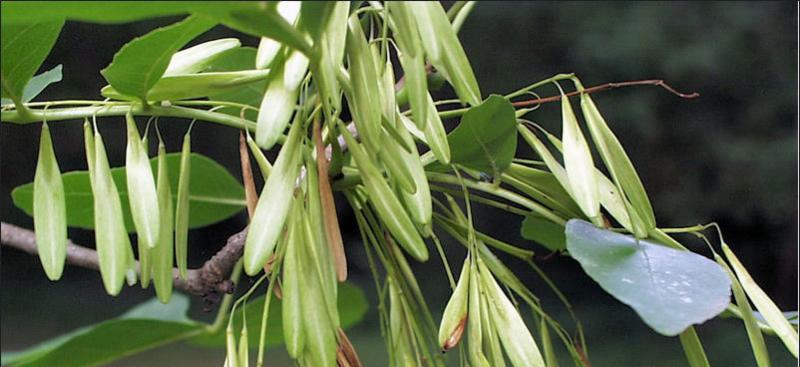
x=607, y=86
x=208, y=281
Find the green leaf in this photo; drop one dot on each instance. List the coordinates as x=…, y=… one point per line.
x=266, y=22
x=146, y=326
x=37, y=84
x=544, y=232
x=669, y=289
x=352, y=304
x=24, y=48
x=486, y=138
x=139, y=64
x=109, y=12
x=214, y=194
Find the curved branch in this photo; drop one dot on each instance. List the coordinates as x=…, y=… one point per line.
x=208, y=281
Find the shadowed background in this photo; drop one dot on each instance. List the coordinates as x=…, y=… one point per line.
x=728, y=156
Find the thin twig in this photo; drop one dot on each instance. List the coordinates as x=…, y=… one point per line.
x=655, y=82
x=209, y=281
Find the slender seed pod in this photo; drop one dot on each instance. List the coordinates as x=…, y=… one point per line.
x=162, y=254
x=273, y=204
x=491, y=341
x=454, y=318
x=320, y=332
x=444, y=50
x=322, y=266
x=141, y=187
x=232, y=357
x=386, y=203
x=771, y=313
x=411, y=58
x=182, y=208
x=392, y=159
x=436, y=135
x=292, y=271
x=88, y=143
x=279, y=100
x=332, y=232
x=618, y=163
x=49, y=209
x=145, y=266
x=517, y=341
x=365, y=105
x=263, y=163
x=111, y=238
x=578, y=163
x=332, y=49
x=474, y=325
x=197, y=58
x=418, y=204
x=244, y=349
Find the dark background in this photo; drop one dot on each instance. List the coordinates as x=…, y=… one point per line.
x=729, y=156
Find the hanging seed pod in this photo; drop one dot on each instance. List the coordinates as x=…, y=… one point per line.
x=412, y=59
x=454, y=319
x=444, y=50
x=141, y=187
x=474, y=325
x=514, y=335
x=332, y=47
x=392, y=159
x=365, y=105
x=49, y=209
x=492, y=349
x=386, y=203
x=435, y=134
x=145, y=266
x=771, y=313
x=317, y=249
x=197, y=58
x=88, y=143
x=162, y=254
x=617, y=162
x=182, y=208
x=263, y=163
x=244, y=350
x=320, y=330
x=398, y=329
x=578, y=163
x=273, y=204
x=292, y=271
x=232, y=357
x=280, y=98
x=267, y=47
x=111, y=238
x=332, y=232
x=418, y=204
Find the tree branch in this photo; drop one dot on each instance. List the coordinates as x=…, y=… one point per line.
x=209, y=281
x=655, y=82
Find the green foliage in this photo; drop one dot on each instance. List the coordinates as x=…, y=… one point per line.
x=214, y=194
x=33, y=41
x=486, y=137
x=669, y=289
x=139, y=65
x=37, y=84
